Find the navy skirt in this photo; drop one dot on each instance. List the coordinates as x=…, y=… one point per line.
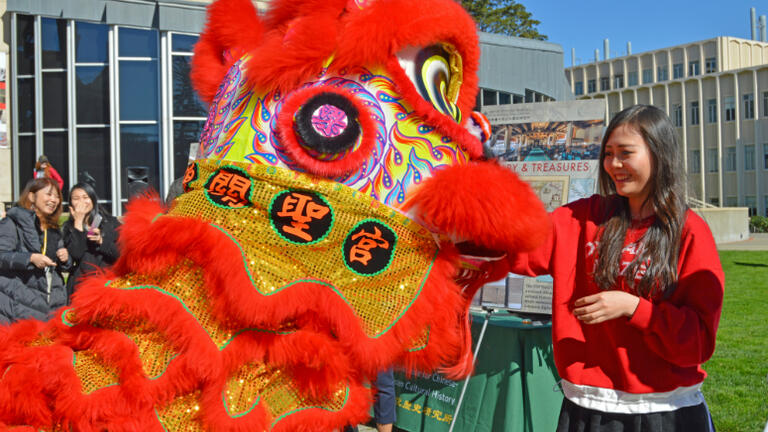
x=574, y=418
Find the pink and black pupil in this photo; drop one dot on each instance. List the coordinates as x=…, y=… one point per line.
x=327, y=124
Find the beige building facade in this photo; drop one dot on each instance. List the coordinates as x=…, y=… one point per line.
x=716, y=93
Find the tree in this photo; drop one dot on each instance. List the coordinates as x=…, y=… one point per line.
x=503, y=17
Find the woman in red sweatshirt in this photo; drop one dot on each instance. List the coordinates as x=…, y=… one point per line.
x=638, y=288
x=43, y=168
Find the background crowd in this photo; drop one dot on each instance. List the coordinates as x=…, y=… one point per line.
x=44, y=254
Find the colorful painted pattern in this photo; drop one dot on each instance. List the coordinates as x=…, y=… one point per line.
x=242, y=123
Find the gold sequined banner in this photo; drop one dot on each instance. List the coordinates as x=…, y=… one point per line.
x=292, y=228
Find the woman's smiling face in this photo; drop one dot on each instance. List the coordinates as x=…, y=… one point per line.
x=629, y=163
x=45, y=201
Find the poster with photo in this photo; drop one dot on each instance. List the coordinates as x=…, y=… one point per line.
x=555, y=147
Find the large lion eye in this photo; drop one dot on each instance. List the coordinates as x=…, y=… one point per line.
x=436, y=72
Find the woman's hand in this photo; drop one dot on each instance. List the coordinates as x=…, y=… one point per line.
x=79, y=211
x=605, y=306
x=62, y=254
x=41, y=261
x=94, y=235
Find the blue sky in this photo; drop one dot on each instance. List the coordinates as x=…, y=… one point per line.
x=649, y=25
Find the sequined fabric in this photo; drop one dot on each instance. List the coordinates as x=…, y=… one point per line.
x=274, y=263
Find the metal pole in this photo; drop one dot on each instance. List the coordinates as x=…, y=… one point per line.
x=488, y=314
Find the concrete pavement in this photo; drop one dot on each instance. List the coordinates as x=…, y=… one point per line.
x=755, y=242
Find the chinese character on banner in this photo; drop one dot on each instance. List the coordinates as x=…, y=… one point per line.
x=301, y=216
x=229, y=187
x=369, y=248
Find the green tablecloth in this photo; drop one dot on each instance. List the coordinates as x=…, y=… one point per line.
x=514, y=387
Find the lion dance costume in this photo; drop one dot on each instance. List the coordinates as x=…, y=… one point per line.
x=315, y=243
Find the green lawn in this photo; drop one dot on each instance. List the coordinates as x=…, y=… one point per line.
x=736, y=388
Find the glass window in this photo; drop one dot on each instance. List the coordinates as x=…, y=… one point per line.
x=677, y=70
x=751, y=203
x=712, y=110
x=694, y=162
x=711, y=65
x=91, y=43
x=677, y=115
x=711, y=160
x=765, y=156
x=662, y=73
x=765, y=104
x=516, y=99
x=730, y=109
x=92, y=94
x=647, y=76
x=184, y=133
x=55, y=99
x=138, y=90
x=185, y=100
x=730, y=158
x=578, y=88
x=714, y=201
x=54, y=43
x=137, y=42
x=749, y=106
x=55, y=148
x=749, y=157
x=183, y=43
x=26, y=104
x=489, y=97
x=695, y=113
x=140, y=150
x=27, y=159
x=93, y=159
x=618, y=81
x=25, y=48
x=632, y=79
x=591, y=86
x=605, y=84
x=731, y=201
x=504, y=99
x=693, y=68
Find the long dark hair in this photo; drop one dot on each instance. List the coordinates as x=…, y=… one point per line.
x=91, y=192
x=35, y=185
x=660, y=245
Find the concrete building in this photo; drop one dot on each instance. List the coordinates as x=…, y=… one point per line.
x=716, y=93
x=101, y=87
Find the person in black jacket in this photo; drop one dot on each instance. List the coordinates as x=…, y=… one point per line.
x=32, y=254
x=90, y=234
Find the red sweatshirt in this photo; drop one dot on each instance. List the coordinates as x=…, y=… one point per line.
x=662, y=346
x=53, y=174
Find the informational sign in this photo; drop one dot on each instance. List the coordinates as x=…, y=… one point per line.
x=429, y=398
x=555, y=147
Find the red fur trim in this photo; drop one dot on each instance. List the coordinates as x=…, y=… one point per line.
x=302, y=37
x=334, y=168
x=168, y=240
x=354, y=411
x=377, y=33
x=328, y=345
x=282, y=12
x=232, y=29
x=485, y=203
